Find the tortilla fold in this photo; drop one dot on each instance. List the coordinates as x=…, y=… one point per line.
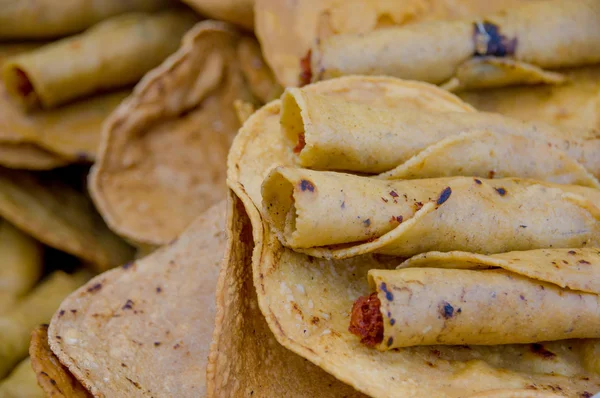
x=112, y=54
x=549, y=34
x=21, y=383
x=306, y=300
x=332, y=134
x=50, y=19
x=431, y=306
x=37, y=307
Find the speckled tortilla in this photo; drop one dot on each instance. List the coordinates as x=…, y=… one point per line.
x=48, y=18
x=576, y=103
x=313, y=211
x=287, y=29
x=332, y=134
x=61, y=217
x=238, y=12
x=452, y=305
x=163, y=151
x=549, y=34
x=112, y=54
x=306, y=300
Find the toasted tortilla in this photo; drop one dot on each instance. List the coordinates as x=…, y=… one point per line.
x=534, y=36
x=75, y=67
x=287, y=29
x=37, y=307
x=306, y=301
x=576, y=103
x=162, y=157
x=332, y=134
x=49, y=19
x=238, y=12
x=61, y=217
x=21, y=383
x=54, y=379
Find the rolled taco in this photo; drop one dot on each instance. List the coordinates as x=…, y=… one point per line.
x=306, y=300
x=534, y=36
x=523, y=297
x=333, y=134
x=50, y=19
x=312, y=211
x=130, y=44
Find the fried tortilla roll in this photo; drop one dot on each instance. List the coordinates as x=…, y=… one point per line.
x=533, y=37
x=312, y=210
x=37, y=307
x=532, y=296
x=42, y=19
x=112, y=54
x=20, y=265
x=333, y=134
x=21, y=382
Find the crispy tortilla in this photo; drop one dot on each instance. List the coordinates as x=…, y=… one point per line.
x=162, y=157
x=287, y=29
x=54, y=379
x=238, y=12
x=112, y=54
x=21, y=382
x=573, y=104
x=534, y=36
x=35, y=308
x=306, y=301
x=50, y=19
x=60, y=216
x=332, y=134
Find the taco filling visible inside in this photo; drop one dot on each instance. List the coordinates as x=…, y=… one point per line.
x=366, y=320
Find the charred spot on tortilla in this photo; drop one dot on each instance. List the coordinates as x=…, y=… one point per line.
x=540, y=350
x=388, y=295
x=367, y=222
x=489, y=41
x=478, y=181
x=501, y=191
x=572, y=252
x=446, y=310
x=301, y=143
x=397, y=219
x=418, y=206
x=366, y=320
x=305, y=70
x=584, y=262
x=306, y=185
x=444, y=196
x=94, y=288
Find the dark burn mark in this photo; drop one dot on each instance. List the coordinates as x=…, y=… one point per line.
x=305, y=69
x=397, y=219
x=436, y=353
x=127, y=265
x=95, y=288
x=58, y=337
x=491, y=174
x=522, y=226
x=586, y=394
x=540, y=350
x=584, y=262
x=392, y=321
x=176, y=346
x=123, y=365
x=128, y=305
x=390, y=341
x=501, y=191
x=572, y=252
x=315, y=320
x=478, y=181
x=446, y=310
x=53, y=382
x=384, y=199
x=158, y=289
x=73, y=311
x=343, y=205
x=134, y=383
x=367, y=222
x=61, y=313
x=393, y=194
x=522, y=297
x=306, y=185
x=489, y=41
x=388, y=295
x=444, y=196
x=156, y=343
x=418, y=206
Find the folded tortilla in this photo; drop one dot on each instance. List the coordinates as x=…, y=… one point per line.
x=37, y=307
x=21, y=264
x=573, y=104
x=529, y=297
x=112, y=54
x=164, y=150
x=238, y=12
x=287, y=29
x=21, y=383
x=60, y=216
x=333, y=134
x=535, y=36
x=306, y=300
x=313, y=210
x=50, y=19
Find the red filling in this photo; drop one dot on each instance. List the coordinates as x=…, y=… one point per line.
x=305, y=71
x=300, y=145
x=366, y=320
x=23, y=84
